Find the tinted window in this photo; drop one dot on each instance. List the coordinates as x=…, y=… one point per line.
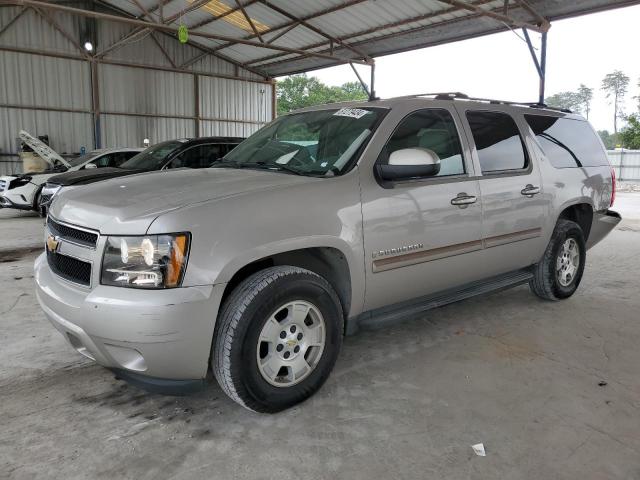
x=497, y=141
x=567, y=143
x=433, y=129
x=154, y=157
x=200, y=156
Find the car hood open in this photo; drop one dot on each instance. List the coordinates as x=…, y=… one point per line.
x=129, y=205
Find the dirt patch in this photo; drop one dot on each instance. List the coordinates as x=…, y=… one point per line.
x=15, y=254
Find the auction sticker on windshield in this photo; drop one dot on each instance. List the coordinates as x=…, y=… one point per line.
x=351, y=112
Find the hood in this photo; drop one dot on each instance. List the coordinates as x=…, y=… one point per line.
x=129, y=205
x=90, y=175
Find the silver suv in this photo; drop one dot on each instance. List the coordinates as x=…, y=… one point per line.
x=328, y=220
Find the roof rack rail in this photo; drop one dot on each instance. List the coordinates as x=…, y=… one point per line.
x=464, y=96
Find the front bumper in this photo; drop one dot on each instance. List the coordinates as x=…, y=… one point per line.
x=19, y=197
x=154, y=334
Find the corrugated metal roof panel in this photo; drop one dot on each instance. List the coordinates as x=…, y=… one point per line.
x=67, y=131
x=34, y=80
x=235, y=100
x=227, y=129
x=126, y=131
x=40, y=33
x=138, y=90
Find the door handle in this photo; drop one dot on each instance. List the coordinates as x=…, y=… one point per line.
x=462, y=200
x=530, y=191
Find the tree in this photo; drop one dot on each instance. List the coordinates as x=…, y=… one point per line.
x=630, y=135
x=298, y=91
x=568, y=100
x=584, y=96
x=615, y=86
x=608, y=139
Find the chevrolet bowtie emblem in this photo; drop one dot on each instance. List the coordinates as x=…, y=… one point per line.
x=52, y=243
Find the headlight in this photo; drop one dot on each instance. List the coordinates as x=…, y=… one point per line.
x=152, y=261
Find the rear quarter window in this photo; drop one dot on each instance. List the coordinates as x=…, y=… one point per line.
x=567, y=143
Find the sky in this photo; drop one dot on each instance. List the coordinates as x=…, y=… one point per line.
x=579, y=50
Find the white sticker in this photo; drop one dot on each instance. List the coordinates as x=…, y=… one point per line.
x=351, y=112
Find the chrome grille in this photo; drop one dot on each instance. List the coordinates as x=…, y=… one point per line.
x=70, y=268
x=73, y=235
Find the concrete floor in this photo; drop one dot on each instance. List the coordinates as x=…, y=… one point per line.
x=523, y=376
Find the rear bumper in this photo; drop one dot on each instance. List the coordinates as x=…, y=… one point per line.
x=152, y=337
x=603, y=222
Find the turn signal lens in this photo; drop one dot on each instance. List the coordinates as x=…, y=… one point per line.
x=177, y=261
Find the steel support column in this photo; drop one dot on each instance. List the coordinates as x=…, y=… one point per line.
x=95, y=104
x=541, y=65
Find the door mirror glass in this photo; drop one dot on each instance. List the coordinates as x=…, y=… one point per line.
x=90, y=165
x=410, y=163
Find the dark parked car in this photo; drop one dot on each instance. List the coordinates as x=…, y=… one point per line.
x=180, y=153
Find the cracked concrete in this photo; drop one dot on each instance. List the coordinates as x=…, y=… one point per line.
x=509, y=370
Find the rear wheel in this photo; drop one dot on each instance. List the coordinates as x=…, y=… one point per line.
x=277, y=338
x=559, y=272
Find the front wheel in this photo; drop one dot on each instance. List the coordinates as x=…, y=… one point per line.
x=277, y=339
x=559, y=272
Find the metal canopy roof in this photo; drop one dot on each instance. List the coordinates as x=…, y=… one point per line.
x=279, y=37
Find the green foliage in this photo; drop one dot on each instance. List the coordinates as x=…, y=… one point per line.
x=608, y=139
x=584, y=96
x=298, y=91
x=615, y=86
x=578, y=101
x=630, y=135
x=569, y=100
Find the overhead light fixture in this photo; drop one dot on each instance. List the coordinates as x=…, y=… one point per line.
x=88, y=46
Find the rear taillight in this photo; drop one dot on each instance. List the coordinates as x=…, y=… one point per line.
x=613, y=186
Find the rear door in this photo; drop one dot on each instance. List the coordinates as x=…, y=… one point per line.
x=417, y=239
x=513, y=203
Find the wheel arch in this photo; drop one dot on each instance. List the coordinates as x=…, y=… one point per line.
x=327, y=260
x=580, y=213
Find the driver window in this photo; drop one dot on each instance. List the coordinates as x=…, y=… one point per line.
x=433, y=129
x=102, y=161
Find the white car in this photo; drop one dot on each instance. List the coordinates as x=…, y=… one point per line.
x=22, y=191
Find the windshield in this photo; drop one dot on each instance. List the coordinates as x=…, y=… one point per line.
x=154, y=157
x=318, y=143
x=83, y=158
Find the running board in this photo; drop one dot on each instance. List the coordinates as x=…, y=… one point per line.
x=384, y=316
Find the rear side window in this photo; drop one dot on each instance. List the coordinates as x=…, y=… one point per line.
x=497, y=140
x=433, y=129
x=567, y=143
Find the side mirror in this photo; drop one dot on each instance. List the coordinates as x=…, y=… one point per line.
x=90, y=165
x=410, y=163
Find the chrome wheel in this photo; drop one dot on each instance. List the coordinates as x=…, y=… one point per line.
x=291, y=343
x=567, y=262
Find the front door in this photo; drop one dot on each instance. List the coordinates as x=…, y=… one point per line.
x=422, y=235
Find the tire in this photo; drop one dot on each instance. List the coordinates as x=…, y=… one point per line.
x=241, y=359
x=548, y=282
x=36, y=201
